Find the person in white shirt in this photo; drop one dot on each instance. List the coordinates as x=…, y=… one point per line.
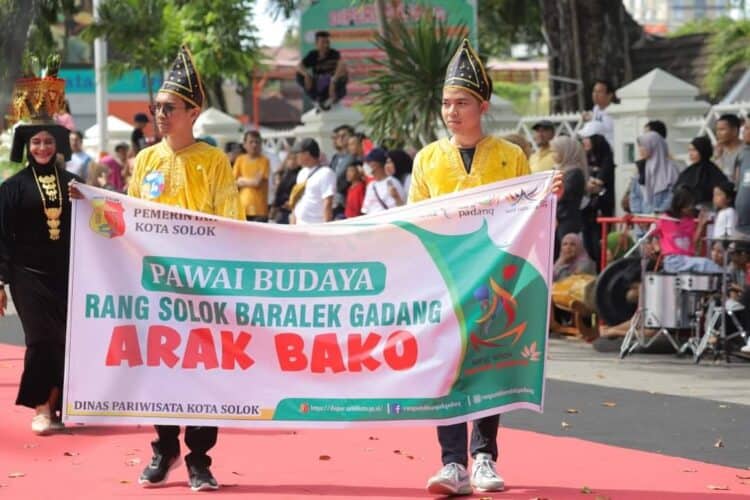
x=79, y=161
x=316, y=204
x=603, y=94
x=384, y=191
x=726, y=216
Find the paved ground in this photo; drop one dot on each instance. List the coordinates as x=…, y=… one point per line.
x=665, y=406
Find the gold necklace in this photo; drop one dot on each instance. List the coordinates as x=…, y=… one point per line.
x=50, y=184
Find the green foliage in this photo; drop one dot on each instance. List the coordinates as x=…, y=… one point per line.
x=519, y=94
x=730, y=47
x=146, y=34
x=403, y=106
x=502, y=23
x=221, y=38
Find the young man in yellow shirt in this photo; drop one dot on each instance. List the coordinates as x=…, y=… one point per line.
x=467, y=159
x=543, y=158
x=182, y=172
x=251, y=171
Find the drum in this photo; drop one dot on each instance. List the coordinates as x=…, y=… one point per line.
x=693, y=282
x=665, y=304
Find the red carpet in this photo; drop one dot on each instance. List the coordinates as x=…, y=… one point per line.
x=104, y=462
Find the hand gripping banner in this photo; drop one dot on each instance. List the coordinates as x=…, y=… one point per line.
x=430, y=313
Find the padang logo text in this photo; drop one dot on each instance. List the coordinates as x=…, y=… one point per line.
x=474, y=211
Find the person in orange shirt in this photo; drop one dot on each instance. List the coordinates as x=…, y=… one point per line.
x=251, y=171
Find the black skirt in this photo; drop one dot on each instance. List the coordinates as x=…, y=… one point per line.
x=41, y=302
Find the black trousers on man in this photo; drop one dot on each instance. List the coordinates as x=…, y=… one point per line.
x=198, y=440
x=454, y=440
x=320, y=87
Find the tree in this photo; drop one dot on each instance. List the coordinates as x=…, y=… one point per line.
x=223, y=42
x=730, y=46
x=143, y=34
x=403, y=106
x=587, y=40
x=503, y=23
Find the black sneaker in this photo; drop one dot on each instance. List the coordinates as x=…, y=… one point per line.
x=201, y=479
x=156, y=473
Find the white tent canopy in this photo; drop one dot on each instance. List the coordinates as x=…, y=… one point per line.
x=219, y=125
x=118, y=131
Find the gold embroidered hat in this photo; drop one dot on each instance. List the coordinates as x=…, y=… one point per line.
x=466, y=72
x=35, y=102
x=183, y=79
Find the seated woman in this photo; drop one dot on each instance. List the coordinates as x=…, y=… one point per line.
x=678, y=234
x=573, y=259
x=573, y=280
x=702, y=176
x=651, y=190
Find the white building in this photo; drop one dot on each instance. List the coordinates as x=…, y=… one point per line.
x=663, y=16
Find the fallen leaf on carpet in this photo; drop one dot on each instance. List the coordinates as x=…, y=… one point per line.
x=689, y=470
x=410, y=457
x=740, y=476
x=369, y=449
x=324, y=457
x=16, y=474
x=719, y=443
x=717, y=487
x=486, y=498
x=124, y=481
x=540, y=498
x=601, y=497
x=373, y=438
x=564, y=424
x=70, y=454
x=133, y=461
x=571, y=410
x=236, y=473
x=397, y=452
x=609, y=404
x=31, y=445
x=586, y=490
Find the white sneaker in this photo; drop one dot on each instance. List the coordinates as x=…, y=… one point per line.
x=484, y=476
x=746, y=347
x=41, y=424
x=452, y=479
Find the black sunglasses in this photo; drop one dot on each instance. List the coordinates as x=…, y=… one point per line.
x=167, y=108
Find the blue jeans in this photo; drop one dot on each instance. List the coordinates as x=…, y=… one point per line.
x=640, y=205
x=454, y=440
x=688, y=264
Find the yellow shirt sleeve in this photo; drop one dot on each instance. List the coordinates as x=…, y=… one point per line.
x=522, y=166
x=226, y=202
x=418, y=190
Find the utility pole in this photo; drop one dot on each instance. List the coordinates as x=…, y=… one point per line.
x=100, y=62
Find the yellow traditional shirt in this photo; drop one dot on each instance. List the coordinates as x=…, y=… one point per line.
x=253, y=199
x=542, y=160
x=197, y=177
x=439, y=169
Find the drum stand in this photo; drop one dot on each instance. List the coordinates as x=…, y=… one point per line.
x=636, y=335
x=718, y=315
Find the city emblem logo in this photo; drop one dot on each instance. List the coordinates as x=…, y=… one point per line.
x=107, y=218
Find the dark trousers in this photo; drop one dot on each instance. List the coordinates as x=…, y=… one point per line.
x=319, y=94
x=256, y=218
x=198, y=440
x=454, y=440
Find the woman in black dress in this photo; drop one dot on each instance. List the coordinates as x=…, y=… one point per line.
x=34, y=250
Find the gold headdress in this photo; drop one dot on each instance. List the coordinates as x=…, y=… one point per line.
x=35, y=102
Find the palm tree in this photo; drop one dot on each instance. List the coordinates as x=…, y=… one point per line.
x=145, y=33
x=403, y=106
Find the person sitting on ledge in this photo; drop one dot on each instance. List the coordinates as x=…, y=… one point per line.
x=322, y=73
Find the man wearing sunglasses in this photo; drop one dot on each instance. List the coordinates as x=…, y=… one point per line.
x=182, y=172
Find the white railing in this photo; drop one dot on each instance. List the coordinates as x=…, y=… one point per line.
x=741, y=109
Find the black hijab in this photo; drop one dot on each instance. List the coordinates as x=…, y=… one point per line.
x=702, y=176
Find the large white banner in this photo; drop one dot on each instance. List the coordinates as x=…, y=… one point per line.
x=432, y=312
